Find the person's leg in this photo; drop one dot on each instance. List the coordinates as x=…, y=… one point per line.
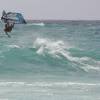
x=8, y=35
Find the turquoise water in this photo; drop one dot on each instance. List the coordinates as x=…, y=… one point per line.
x=51, y=61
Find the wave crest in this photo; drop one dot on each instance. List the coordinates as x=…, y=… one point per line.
x=37, y=24
x=59, y=49
x=45, y=46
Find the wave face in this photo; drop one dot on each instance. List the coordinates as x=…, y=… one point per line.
x=53, y=49
x=52, y=55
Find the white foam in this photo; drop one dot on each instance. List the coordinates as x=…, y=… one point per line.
x=37, y=24
x=11, y=83
x=44, y=46
x=59, y=48
x=14, y=46
x=55, y=48
x=47, y=84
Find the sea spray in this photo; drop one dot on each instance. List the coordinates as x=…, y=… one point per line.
x=59, y=49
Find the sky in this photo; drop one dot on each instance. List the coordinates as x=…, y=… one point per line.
x=54, y=9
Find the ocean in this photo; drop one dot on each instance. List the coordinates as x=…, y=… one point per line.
x=50, y=60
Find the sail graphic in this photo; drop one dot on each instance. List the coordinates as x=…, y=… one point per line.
x=13, y=17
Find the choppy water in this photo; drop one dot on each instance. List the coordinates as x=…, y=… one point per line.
x=51, y=61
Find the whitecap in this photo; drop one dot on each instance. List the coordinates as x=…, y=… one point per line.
x=47, y=84
x=59, y=49
x=37, y=24
x=13, y=46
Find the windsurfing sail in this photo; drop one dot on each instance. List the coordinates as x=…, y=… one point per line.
x=13, y=17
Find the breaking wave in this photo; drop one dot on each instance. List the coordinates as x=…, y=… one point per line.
x=37, y=24
x=47, y=84
x=59, y=49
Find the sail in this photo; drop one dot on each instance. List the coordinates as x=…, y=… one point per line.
x=13, y=17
